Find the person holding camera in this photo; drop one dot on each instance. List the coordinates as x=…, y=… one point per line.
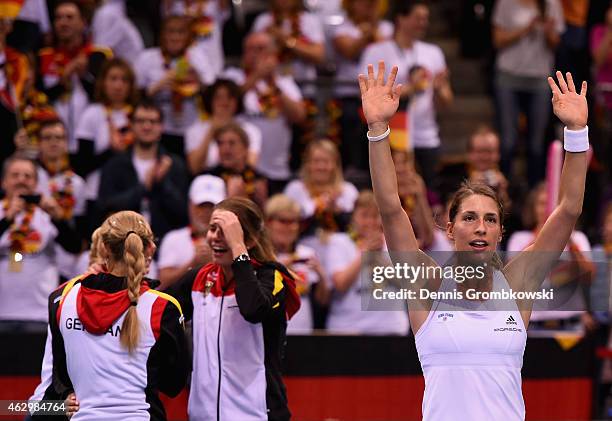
x=30, y=227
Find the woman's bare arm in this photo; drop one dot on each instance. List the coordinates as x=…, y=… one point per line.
x=534, y=263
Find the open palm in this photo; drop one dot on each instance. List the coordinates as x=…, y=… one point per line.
x=379, y=99
x=571, y=107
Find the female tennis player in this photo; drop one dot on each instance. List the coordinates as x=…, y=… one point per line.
x=116, y=342
x=472, y=359
x=239, y=305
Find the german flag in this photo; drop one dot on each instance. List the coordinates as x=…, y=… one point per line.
x=399, y=139
x=9, y=9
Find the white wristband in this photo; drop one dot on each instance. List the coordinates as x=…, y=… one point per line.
x=576, y=140
x=380, y=136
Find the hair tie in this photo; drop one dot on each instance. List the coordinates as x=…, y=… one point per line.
x=128, y=234
x=134, y=303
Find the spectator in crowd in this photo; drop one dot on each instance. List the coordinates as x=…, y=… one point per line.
x=349, y=259
x=481, y=165
x=68, y=69
x=222, y=102
x=240, y=177
x=186, y=248
x=272, y=102
x=326, y=200
x=12, y=79
x=35, y=109
x=30, y=226
x=575, y=268
x=283, y=225
x=172, y=76
x=414, y=196
x=299, y=39
x=424, y=77
x=573, y=52
x=526, y=34
x=32, y=27
x=361, y=28
x=104, y=128
x=206, y=22
x=601, y=50
x=57, y=180
x=146, y=178
x=111, y=27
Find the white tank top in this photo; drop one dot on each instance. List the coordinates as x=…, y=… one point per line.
x=471, y=359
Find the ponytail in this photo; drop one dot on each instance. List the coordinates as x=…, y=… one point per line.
x=125, y=235
x=136, y=267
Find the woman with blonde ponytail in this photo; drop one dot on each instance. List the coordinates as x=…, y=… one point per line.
x=240, y=304
x=112, y=334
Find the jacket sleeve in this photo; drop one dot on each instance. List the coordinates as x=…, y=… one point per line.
x=260, y=293
x=117, y=190
x=181, y=290
x=61, y=382
x=169, y=358
x=67, y=236
x=86, y=161
x=173, y=191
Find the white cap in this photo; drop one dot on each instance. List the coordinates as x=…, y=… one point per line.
x=207, y=189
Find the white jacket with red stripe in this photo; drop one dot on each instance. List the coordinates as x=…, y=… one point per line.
x=239, y=332
x=109, y=382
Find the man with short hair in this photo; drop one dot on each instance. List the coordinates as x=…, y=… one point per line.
x=69, y=68
x=145, y=178
x=186, y=248
x=30, y=227
x=272, y=102
x=57, y=180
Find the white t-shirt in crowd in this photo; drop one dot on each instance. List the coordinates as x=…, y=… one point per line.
x=345, y=202
x=112, y=28
x=176, y=249
x=423, y=128
x=150, y=69
x=348, y=70
x=24, y=293
x=520, y=240
x=65, y=261
x=530, y=55
x=301, y=323
x=36, y=11
x=197, y=131
x=346, y=314
x=211, y=45
x=142, y=167
x=94, y=126
x=311, y=29
x=70, y=108
x=275, y=131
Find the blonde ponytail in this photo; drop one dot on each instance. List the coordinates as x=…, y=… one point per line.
x=135, y=261
x=125, y=235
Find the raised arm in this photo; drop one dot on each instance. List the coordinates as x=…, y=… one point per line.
x=380, y=101
x=571, y=108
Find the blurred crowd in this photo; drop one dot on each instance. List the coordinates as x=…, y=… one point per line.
x=108, y=105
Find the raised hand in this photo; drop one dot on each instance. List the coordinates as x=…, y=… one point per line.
x=571, y=107
x=379, y=99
